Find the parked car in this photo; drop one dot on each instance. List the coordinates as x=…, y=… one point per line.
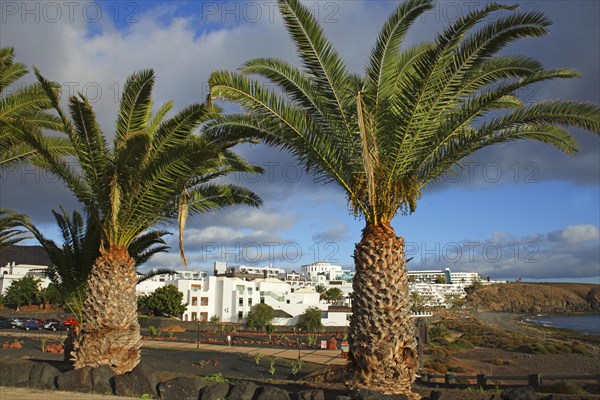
x=6, y=323
x=31, y=324
x=71, y=322
x=55, y=326
x=18, y=322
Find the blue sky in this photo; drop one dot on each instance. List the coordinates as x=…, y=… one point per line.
x=516, y=211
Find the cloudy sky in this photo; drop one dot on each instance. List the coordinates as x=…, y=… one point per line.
x=522, y=210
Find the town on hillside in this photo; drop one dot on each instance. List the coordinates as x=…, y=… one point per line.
x=228, y=294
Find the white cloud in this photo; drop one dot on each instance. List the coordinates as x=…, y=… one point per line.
x=576, y=234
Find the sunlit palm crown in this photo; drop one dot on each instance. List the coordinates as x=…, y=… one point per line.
x=156, y=169
x=23, y=108
x=416, y=111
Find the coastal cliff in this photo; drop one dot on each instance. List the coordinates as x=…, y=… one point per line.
x=537, y=298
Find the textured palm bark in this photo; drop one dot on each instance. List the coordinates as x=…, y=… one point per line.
x=382, y=339
x=110, y=332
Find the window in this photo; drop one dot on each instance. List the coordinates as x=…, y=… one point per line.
x=241, y=301
x=194, y=301
x=204, y=301
x=196, y=288
x=194, y=316
x=240, y=314
x=250, y=302
x=262, y=300
x=287, y=301
x=203, y=317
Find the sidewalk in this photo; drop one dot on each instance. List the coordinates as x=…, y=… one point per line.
x=329, y=357
x=15, y=393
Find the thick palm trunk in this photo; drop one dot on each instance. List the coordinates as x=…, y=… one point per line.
x=110, y=332
x=382, y=340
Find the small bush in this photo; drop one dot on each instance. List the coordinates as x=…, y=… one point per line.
x=462, y=344
x=152, y=330
x=500, y=362
x=272, y=366
x=257, y=357
x=216, y=378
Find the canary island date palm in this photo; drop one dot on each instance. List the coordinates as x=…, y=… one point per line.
x=23, y=108
x=415, y=112
x=72, y=261
x=155, y=170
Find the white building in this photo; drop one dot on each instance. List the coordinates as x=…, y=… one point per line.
x=231, y=299
x=320, y=272
x=13, y=272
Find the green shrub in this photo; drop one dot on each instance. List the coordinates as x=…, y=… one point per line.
x=218, y=377
x=272, y=366
x=152, y=330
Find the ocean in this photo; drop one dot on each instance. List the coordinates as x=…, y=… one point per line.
x=586, y=323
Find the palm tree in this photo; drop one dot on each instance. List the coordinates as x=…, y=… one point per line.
x=334, y=294
x=156, y=169
x=23, y=108
x=321, y=289
x=383, y=136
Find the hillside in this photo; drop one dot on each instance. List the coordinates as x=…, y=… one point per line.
x=537, y=298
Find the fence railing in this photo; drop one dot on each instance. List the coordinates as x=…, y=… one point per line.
x=484, y=380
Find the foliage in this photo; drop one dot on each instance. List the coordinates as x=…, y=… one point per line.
x=440, y=280
x=415, y=112
x=153, y=331
x=215, y=319
x=473, y=287
x=166, y=300
x=310, y=320
x=334, y=294
x=1, y=299
x=295, y=366
x=24, y=108
x=417, y=302
x=269, y=328
x=260, y=316
x=43, y=344
x=22, y=291
x=257, y=357
x=321, y=289
x=218, y=377
x=438, y=331
x=272, y=366
x=50, y=294
x=9, y=224
x=157, y=169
